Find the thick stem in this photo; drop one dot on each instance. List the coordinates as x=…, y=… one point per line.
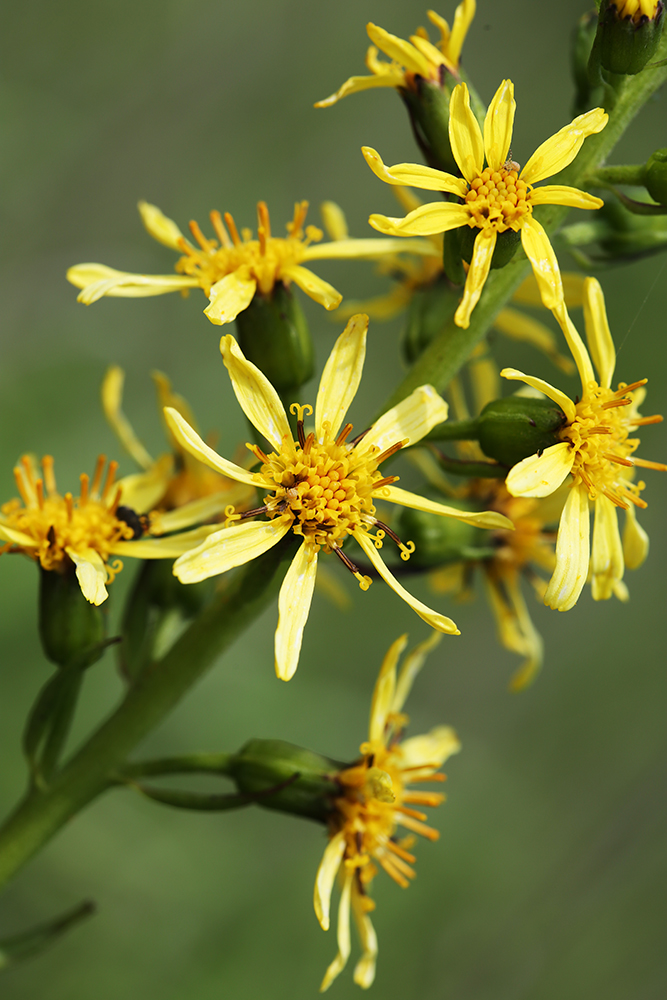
x=155, y=694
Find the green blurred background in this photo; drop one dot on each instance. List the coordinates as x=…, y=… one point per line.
x=546, y=882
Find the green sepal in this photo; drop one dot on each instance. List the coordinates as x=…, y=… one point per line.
x=71, y=629
x=513, y=428
x=626, y=46
x=507, y=245
x=428, y=108
x=33, y=942
x=287, y=778
x=430, y=309
x=441, y=540
x=194, y=801
x=655, y=176
x=274, y=335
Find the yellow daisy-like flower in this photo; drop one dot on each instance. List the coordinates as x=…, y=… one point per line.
x=106, y=519
x=637, y=9
x=232, y=268
x=320, y=487
x=496, y=198
x=418, y=57
x=374, y=802
x=597, y=452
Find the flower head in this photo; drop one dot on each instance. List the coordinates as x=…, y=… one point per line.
x=374, y=802
x=107, y=519
x=233, y=267
x=637, y=9
x=597, y=452
x=497, y=198
x=418, y=57
x=320, y=487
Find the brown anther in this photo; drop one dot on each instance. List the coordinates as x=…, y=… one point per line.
x=231, y=225
x=616, y=402
x=387, y=481
x=343, y=434
x=359, y=438
x=258, y=453
x=301, y=432
x=600, y=430
x=609, y=455
x=388, y=452
x=346, y=560
x=308, y=443
x=629, y=388
x=219, y=228
x=255, y=512
x=615, y=499
x=199, y=236
x=385, y=527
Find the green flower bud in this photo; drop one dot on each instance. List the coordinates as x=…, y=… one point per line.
x=507, y=244
x=431, y=308
x=72, y=630
x=631, y=236
x=627, y=42
x=428, y=107
x=511, y=429
x=439, y=540
x=655, y=177
x=274, y=335
x=286, y=778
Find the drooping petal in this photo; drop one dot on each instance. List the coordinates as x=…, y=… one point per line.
x=541, y=255
x=385, y=687
x=559, y=194
x=334, y=221
x=230, y=296
x=635, y=540
x=465, y=134
x=340, y=378
x=409, y=420
x=479, y=519
x=558, y=151
x=434, y=217
x=559, y=398
x=480, y=264
x=355, y=84
x=142, y=491
x=17, y=537
x=607, y=564
x=228, y=548
x=520, y=326
x=515, y=628
x=258, y=399
x=97, y=280
x=91, y=574
x=432, y=748
x=414, y=175
x=540, y=475
x=314, y=286
x=364, y=970
x=165, y=548
x=572, y=552
x=197, y=511
x=432, y=618
x=528, y=292
x=368, y=249
x=296, y=594
x=412, y=664
x=112, y=404
x=399, y=50
x=160, y=227
x=324, y=880
x=190, y=440
x=498, y=125
x=581, y=356
x=598, y=334
x=340, y=961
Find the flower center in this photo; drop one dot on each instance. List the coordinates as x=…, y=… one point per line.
x=498, y=198
x=263, y=258
x=57, y=523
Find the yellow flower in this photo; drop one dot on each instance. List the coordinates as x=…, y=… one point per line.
x=374, y=802
x=320, y=487
x=105, y=520
x=495, y=199
x=418, y=57
x=232, y=268
x=597, y=452
x=636, y=9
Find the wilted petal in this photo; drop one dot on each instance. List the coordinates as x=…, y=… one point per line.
x=229, y=547
x=296, y=594
x=91, y=574
x=434, y=217
x=142, y=491
x=598, y=334
x=383, y=692
x=341, y=958
x=408, y=421
x=558, y=151
x=355, y=84
x=572, y=552
x=165, y=548
x=160, y=227
x=480, y=264
x=498, y=125
x=479, y=519
x=340, y=378
x=559, y=398
x=190, y=440
x=197, y=511
x=364, y=971
x=540, y=475
x=414, y=175
x=17, y=537
x=112, y=404
x=312, y=285
x=98, y=280
x=432, y=748
x=412, y=664
x=326, y=874
x=368, y=249
x=465, y=134
x=230, y=296
x=258, y=399
x=606, y=551
x=541, y=255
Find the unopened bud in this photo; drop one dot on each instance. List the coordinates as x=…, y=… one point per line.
x=71, y=629
x=627, y=37
x=630, y=236
x=513, y=428
x=655, y=176
x=274, y=335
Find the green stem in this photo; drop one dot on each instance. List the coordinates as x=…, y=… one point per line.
x=617, y=175
x=455, y=430
x=155, y=694
x=194, y=763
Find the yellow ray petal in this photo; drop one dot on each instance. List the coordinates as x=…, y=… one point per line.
x=412, y=664
x=410, y=419
x=334, y=221
x=434, y=217
x=598, y=334
x=318, y=289
x=159, y=226
x=480, y=264
x=465, y=134
x=340, y=379
x=559, y=398
x=432, y=53
x=559, y=194
x=296, y=594
x=165, y=548
x=519, y=326
x=479, y=519
x=228, y=548
x=575, y=343
x=635, y=540
x=558, y=151
x=355, y=84
x=97, y=280
x=340, y=961
x=380, y=307
x=197, y=511
x=230, y=296
x=385, y=687
x=572, y=552
x=399, y=50
x=190, y=440
x=324, y=880
x=258, y=399
x=142, y=491
x=414, y=175
x=112, y=404
x=607, y=564
x=364, y=970
x=432, y=618
x=498, y=125
x=463, y=16
x=17, y=537
x=91, y=574
x=541, y=255
x=516, y=631
x=528, y=292
x=368, y=249
x=432, y=748
x=540, y=475
x=484, y=380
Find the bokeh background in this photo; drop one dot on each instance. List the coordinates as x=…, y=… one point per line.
x=548, y=877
